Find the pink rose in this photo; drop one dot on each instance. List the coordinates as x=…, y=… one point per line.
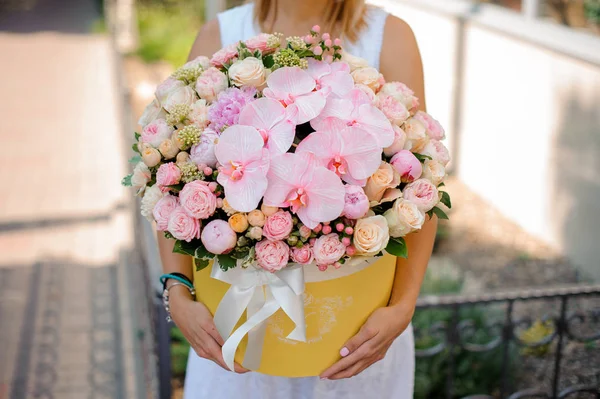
x=155, y=132
x=393, y=109
x=260, y=43
x=328, y=249
x=422, y=193
x=203, y=153
x=272, y=255
x=182, y=226
x=211, y=83
x=278, y=226
x=407, y=165
x=402, y=93
x=197, y=199
x=218, y=238
x=303, y=255
x=438, y=151
x=398, y=144
x=225, y=55
x=162, y=211
x=166, y=88
x=434, y=129
x=168, y=174
x=356, y=203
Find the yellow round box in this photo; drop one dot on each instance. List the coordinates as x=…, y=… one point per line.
x=334, y=311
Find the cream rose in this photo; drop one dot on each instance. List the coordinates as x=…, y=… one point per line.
x=151, y=197
x=248, y=72
x=150, y=155
x=164, y=90
x=436, y=150
x=404, y=217
x=371, y=235
x=168, y=149
x=385, y=177
x=182, y=96
x=368, y=76
x=416, y=135
x=434, y=171
x=141, y=176
x=353, y=61
x=153, y=111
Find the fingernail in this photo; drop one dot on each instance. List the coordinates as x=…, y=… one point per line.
x=344, y=352
x=323, y=378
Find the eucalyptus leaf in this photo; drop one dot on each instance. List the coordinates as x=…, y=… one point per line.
x=135, y=148
x=440, y=214
x=397, y=247
x=446, y=199
x=135, y=159
x=127, y=181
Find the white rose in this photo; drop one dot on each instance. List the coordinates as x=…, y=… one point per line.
x=416, y=135
x=183, y=95
x=152, y=112
x=368, y=76
x=168, y=148
x=151, y=197
x=199, y=114
x=436, y=150
x=353, y=61
x=371, y=235
x=248, y=72
x=150, y=155
x=404, y=217
x=141, y=176
x=433, y=171
x=166, y=88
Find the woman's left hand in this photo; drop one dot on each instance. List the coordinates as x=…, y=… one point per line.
x=372, y=341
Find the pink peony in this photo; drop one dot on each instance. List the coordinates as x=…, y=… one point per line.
x=278, y=226
x=303, y=255
x=356, y=203
x=393, y=109
x=218, y=238
x=422, y=193
x=328, y=249
x=155, y=132
x=402, y=93
x=434, y=129
x=226, y=110
x=162, y=211
x=398, y=144
x=203, y=153
x=182, y=226
x=438, y=151
x=198, y=200
x=168, y=174
x=259, y=43
x=225, y=55
x=211, y=83
x=272, y=255
x=407, y=165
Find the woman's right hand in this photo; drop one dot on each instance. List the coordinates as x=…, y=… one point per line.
x=196, y=324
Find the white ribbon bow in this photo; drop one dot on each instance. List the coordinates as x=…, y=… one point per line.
x=282, y=290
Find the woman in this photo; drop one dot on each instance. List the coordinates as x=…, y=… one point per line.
x=382, y=364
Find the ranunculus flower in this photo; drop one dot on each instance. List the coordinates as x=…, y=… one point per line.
x=256, y=218
x=141, y=176
x=398, y=144
x=395, y=111
x=199, y=114
x=303, y=255
x=151, y=197
x=168, y=174
x=255, y=233
x=227, y=208
x=367, y=76
x=183, y=226
x=211, y=83
x=238, y=222
x=272, y=255
x=371, y=235
x=197, y=199
x=434, y=172
x=268, y=210
x=166, y=88
x=407, y=165
x=155, y=132
x=385, y=177
x=438, y=151
x=182, y=158
x=162, y=211
x=402, y=93
x=416, y=135
x=217, y=237
x=404, y=217
x=353, y=61
x=328, y=249
x=168, y=149
x=182, y=96
x=247, y=72
x=278, y=226
x=203, y=153
x=153, y=111
x=150, y=155
x=423, y=193
x=356, y=203
x=225, y=55
x=433, y=127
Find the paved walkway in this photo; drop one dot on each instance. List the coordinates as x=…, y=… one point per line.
x=67, y=267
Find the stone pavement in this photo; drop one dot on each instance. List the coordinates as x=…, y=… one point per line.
x=74, y=319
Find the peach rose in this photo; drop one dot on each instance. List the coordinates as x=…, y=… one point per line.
x=256, y=218
x=272, y=255
x=268, y=210
x=385, y=177
x=423, y=193
x=150, y=155
x=168, y=149
x=238, y=222
x=371, y=235
x=367, y=76
x=353, y=61
x=182, y=96
x=328, y=249
x=248, y=72
x=278, y=226
x=403, y=218
x=416, y=135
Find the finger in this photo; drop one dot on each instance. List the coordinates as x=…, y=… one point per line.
x=348, y=361
x=364, y=334
x=211, y=329
x=351, y=371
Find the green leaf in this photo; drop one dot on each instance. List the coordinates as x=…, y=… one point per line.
x=186, y=248
x=176, y=187
x=442, y=184
x=201, y=263
x=430, y=213
x=446, y=199
x=226, y=262
x=202, y=253
x=135, y=148
x=137, y=136
x=268, y=61
x=397, y=247
x=421, y=157
x=135, y=159
x=257, y=54
x=127, y=181
x=440, y=214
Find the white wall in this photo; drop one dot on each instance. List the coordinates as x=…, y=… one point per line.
x=523, y=121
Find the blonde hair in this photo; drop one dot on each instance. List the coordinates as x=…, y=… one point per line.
x=345, y=17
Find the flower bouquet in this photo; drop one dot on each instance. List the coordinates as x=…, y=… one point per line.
x=277, y=157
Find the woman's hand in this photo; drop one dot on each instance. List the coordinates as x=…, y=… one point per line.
x=197, y=326
x=372, y=341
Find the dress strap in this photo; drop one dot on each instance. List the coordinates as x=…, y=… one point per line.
x=237, y=24
x=370, y=40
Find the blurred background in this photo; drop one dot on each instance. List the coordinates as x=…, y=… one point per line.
x=510, y=303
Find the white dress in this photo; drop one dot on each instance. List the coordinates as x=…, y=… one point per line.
x=393, y=377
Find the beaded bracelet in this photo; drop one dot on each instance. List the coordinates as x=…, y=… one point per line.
x=165, y=297
x=182, y=278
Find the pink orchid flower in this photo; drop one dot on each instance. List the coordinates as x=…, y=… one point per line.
x=355, y=109
x=275, y=123
x=244, y=165
x=313, y=192
x=349, y=151
x=331, y=78
x=294, y=87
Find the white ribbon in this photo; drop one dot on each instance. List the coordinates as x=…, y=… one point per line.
x=261, y=293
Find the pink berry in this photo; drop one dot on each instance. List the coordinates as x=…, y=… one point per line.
x=318, y=228
x=337, y=265
x=350, y=250
x=339, y=226
x=349, y=230
x=316, y=28
x=308, y=39
x=322, y=267
x=207, y=171
x=346, y=241
x=326, y=36
x=212, y=186
x=312, y=241
x=326, y=229
x=337, y=42
x=317, y=50
x=328, y=43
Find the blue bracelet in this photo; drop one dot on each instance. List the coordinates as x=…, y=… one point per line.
x=165, y=277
